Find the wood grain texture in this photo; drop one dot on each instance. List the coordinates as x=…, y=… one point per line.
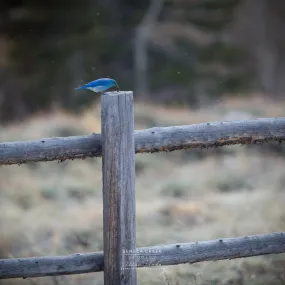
x=162, y=255
x=205, y=135
x=118, y=167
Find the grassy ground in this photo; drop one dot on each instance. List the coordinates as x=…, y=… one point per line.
x=56, y=208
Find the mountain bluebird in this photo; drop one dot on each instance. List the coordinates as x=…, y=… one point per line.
x=101, y=85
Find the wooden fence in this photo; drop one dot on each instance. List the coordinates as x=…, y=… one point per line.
x=117, y=145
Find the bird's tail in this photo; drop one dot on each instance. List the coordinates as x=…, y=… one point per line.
x=79, y=87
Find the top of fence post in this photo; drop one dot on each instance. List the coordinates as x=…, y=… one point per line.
x=118, y=165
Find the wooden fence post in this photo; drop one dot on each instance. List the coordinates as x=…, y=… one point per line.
x=118, y=165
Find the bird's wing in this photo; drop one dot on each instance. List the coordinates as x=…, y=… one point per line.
x=99, y=88
x=102, y=88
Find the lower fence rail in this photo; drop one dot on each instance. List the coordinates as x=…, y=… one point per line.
x=159, y=255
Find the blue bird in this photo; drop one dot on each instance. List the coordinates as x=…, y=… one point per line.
x=101, y=85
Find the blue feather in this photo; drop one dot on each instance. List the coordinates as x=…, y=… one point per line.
x=100, y=85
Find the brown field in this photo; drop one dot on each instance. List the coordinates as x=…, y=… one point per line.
x=56, y=208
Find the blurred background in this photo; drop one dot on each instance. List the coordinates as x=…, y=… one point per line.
x=187, y=61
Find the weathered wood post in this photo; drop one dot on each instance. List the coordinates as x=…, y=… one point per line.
x=118, y=165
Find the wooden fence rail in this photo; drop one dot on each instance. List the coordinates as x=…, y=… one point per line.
x=205, y=135
x=160, y=255
x=118, y=145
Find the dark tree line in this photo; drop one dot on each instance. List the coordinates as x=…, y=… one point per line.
x=179, y=51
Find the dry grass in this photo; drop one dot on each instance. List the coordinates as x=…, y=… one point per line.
x=56, y=208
